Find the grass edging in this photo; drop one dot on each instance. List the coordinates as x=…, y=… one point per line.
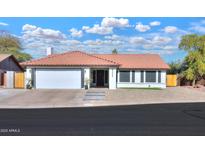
x=151, y=88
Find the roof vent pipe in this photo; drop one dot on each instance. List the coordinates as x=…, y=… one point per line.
x=49, y=51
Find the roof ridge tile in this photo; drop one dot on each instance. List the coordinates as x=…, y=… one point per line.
x=98, y=57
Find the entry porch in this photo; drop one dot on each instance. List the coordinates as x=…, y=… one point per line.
x=101, y=77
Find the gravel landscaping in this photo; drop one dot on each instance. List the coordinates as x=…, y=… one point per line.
x=143, y=96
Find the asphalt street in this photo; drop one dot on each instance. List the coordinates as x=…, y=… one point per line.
x=153, y=119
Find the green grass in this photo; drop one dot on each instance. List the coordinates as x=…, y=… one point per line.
x=151, y=88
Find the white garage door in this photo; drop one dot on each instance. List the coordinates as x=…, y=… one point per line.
x=58, y=78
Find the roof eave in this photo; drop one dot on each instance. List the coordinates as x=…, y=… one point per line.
x=141, y=68
x=48, y=65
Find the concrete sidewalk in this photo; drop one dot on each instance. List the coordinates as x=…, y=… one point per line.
x=21, y=98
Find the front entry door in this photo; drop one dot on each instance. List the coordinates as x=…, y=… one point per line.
x=100, y=78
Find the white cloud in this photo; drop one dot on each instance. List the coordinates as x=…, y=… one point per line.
x=114, y=22
x=156, y=42
x=154, y=23
x=85, y=27
x=137, y=40
x=28, y=27
x=96, y=29
x=3, y=24
x=37, y=47
x=169, y=47
x=113, y=42
x=161, y=40
x=103, y=44
x=34, y=31
x=165, y=52
x=36, y=39
x=93, y=42
x=160, y=51
x=142, y=28
x=170, y=29
x=150, y=51
x=198, y=28
x=106, y=26
x=150, y=46
x=76, y=33
x=73, y=42
x=113, y=37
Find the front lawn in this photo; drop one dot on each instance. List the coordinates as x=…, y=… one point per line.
x=151, y=88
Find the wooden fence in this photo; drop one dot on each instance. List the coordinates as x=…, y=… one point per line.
x=19, y=80
x=171, y=80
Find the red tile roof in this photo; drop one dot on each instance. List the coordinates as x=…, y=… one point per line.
x=74, y=58
x=78, y=58
x=137, y=61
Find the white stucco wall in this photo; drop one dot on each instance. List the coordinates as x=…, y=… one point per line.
x=112, y=78
x=86, y=75
x=137, y=76
x=113, y=83
x=28, y=75
x=138, y=84
x=163, y=77
x=10, y=79
x=141, y=85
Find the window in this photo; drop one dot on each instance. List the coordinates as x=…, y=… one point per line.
x=94, y=76
x=150, y=76
x=124, y=76
x=159, y=76
x=133, y=76
x=106, y=76
x=142, y=76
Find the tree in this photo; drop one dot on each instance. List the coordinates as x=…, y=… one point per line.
x=193, y=42
x=176, y=67
x=195, y=66
x=114, y=51
x=11, y=45
x=195, y=60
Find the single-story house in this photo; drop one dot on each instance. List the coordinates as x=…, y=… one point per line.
x=8, y=64
x=74, y=70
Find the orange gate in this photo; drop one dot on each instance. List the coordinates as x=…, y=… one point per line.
x=171, y=80
x=18, y=80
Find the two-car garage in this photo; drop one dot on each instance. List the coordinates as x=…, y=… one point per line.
x=55, y=78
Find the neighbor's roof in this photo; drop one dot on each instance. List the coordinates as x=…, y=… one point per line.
x=78, y=58
x=4, y=56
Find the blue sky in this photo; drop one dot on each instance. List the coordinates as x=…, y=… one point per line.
x=102, y=35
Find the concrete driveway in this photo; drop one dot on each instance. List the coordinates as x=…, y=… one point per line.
x=22, y=98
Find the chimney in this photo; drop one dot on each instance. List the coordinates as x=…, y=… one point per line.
x=49, y=51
